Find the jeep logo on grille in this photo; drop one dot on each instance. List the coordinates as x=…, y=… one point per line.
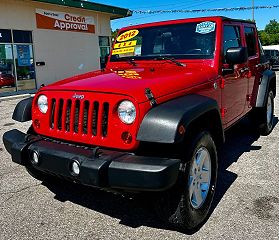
x=77, y=96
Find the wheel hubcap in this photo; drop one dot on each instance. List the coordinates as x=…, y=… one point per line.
x=200, y=177
x=269, y=111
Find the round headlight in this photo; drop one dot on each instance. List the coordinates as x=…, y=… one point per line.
x=127, y=112
x=42, y=103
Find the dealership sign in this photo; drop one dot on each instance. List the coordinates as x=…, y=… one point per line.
x=64, y=21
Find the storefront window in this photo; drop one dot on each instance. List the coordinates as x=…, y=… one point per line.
x=7, y=77
x=5, y=36
x=17, y=70
x=104, y=43
x=25, y=69
x=22, y=36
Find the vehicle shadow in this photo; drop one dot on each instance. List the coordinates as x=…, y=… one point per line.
x=136, y=210
x=239, y=139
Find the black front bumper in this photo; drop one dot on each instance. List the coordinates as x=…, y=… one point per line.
x=98, y=167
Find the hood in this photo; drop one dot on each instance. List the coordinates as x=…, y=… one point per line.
x=162, y=80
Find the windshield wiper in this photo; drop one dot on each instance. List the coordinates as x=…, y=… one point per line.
x=171, y=60
x=131, y=61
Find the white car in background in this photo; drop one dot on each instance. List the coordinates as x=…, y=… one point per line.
x=272, y=54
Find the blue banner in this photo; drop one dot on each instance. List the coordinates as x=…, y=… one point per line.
x=23, y=55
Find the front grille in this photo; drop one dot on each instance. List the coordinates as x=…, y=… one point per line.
x=79, y=117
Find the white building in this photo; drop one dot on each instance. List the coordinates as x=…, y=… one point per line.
x=42, y=41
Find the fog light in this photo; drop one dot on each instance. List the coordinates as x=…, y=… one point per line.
x=75, y=168
x=127, y=137
x=35, y=158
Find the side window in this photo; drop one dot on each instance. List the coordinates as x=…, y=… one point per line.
x=250, y=41
x=231, y=37
x=267, y=53
x=263, y=54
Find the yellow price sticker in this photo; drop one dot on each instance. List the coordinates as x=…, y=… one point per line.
x=127, y=35
x=123, y=50
x=131, y=74
x=125, y=44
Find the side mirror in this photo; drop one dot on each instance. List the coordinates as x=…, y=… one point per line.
x=236, y=55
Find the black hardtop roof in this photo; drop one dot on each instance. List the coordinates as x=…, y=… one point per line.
x=189, y=19
x=237, y=20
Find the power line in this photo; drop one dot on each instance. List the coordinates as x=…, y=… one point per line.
x=202, y=2
x=169, y=4
x=152, y=15
x=203, y=10
x=189, y=6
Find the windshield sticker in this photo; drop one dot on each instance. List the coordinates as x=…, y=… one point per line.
x=138, y=51
x=123, y=50
x=127, y=35
x=205, y=27
x=125, y=44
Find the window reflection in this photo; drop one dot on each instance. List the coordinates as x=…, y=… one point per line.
x=17, y=69
x=7, y=78
x=25, y=68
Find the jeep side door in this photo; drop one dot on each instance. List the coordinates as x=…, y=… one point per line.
x=234, y=77
x=256, y=65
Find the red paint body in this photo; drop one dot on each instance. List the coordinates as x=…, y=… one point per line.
x=233, y=92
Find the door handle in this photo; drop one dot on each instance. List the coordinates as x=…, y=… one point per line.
x=246, y=69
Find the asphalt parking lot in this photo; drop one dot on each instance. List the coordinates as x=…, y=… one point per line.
x=246, y=204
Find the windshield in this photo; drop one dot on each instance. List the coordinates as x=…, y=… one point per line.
x=195, y=40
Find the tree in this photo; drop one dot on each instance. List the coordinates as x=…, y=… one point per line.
x=114, y=34
x=272, y=27
x=270, y=35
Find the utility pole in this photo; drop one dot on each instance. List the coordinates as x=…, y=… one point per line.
x=253, y=10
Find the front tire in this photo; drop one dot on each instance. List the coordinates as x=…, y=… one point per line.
x=187, y=204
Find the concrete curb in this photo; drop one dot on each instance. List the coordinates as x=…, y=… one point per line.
x=14, y=97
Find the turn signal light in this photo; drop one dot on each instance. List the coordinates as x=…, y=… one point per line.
x=181, y=130
x=127, y=137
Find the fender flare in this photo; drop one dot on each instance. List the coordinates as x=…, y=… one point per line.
x=23, y=110
x=161, y=124
x=264, y=86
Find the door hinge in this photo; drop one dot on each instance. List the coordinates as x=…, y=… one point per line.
x=150, y=97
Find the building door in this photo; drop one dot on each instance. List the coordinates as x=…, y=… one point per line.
x=7, y=70
x=24, y=60
x=17, y=68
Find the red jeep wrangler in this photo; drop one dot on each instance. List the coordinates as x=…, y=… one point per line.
x=153, y=119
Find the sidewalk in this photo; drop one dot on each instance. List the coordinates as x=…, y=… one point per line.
x=27, y=95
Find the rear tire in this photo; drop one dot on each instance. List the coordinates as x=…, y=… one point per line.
x=263, y=118
x=187, y=204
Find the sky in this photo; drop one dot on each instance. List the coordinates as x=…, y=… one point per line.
x=262, y=16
